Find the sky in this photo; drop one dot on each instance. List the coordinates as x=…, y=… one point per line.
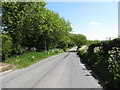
x=95, y=20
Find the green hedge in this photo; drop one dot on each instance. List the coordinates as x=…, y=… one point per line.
x=6, y=46
x=104, y=57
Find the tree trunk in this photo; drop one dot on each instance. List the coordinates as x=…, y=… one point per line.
x=45, y=45
x=78, y=47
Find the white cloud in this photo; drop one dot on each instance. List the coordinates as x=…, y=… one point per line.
x=97, y=35
x=95, y=23
x=100, y=36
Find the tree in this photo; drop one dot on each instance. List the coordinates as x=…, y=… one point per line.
x=15, y=19
x=30, y=24
x=79, y=40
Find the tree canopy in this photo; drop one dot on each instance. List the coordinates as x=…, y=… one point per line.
x=30, y=24
x=79, y=39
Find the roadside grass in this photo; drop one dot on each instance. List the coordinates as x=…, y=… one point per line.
x=29, y=58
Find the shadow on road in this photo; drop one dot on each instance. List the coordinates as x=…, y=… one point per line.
x=66, y=56
x=68, y=52
x=92, y=73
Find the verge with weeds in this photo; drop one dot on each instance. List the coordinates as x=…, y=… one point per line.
x=29, y=58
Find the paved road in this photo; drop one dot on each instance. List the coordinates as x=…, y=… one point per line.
x=61, y=71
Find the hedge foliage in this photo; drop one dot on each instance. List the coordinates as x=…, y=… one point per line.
x=6, y=45
x=104, y=57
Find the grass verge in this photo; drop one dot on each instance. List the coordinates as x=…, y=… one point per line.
x=29, y=58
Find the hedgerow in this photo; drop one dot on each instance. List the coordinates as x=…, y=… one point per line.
x=104, y=57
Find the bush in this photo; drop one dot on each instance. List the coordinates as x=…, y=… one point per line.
x=6, y=46
x=18, y=49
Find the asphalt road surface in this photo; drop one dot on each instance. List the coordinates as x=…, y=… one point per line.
x=60, y=71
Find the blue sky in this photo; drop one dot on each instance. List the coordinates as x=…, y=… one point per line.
x=95, y=20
